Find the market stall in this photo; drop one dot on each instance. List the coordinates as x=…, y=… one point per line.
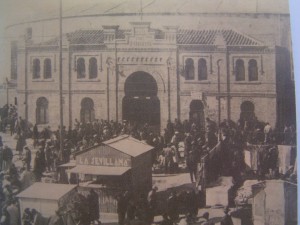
x=46, y=198
x=116, y=165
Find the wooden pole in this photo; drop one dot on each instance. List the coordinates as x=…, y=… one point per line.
x=60, y=82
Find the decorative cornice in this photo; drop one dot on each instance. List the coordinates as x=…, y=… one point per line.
x=64, y=92
x=180, y=47
x=234, y=94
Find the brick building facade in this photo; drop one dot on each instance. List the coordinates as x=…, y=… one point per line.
x=148, y=74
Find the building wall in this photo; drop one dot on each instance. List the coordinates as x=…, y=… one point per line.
x=7, y=96
x=166, y=65
x=261, y=92
x=265, y=108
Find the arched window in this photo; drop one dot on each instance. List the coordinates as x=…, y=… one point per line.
x=47, y=69
x=93, y=71
x=189, y=69
x=42, y=111
x=202, y=69
x=87, y=112
x=252, y=70
x=239, y=70
x=80, y=68
x=36, y=69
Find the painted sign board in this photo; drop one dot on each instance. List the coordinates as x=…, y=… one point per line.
x=104, y=156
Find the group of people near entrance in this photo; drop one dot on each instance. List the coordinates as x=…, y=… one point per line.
x=179, y=207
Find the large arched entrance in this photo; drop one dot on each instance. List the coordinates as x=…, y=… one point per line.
x=141, y=104
x=197, y=113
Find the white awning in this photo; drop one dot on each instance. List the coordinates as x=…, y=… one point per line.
x=99, y=170
x=69, y=164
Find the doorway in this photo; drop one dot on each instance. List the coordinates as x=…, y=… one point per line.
x=197, y=113
x=141, y=104
x=247, y=112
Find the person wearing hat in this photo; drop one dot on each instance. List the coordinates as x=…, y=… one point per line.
x=152, y=203
x=7, y=156
x=38, y=168
x=175, y=140
x=187, y=143
x=192, y=160
x=93, y=204
x=122, y=202
x=27, y=157
x=13, y=212
x=49, y=157
x=21, y=142
x=168, y=154
x=27, y=217
x=172, y=206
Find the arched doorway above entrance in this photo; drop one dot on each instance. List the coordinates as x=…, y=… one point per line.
x=140, y=84
x=87, y=112
x=247, y=113
x=141, y=104
x=197, y=113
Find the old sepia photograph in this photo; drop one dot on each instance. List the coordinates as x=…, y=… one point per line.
x=147, y=112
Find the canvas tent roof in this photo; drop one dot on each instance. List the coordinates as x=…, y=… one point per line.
x=47, y=191
x=128, y=145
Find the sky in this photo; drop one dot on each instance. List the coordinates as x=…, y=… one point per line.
x=14, y=11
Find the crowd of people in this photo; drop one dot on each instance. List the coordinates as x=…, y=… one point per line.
x=9, y=119
x=184, y=143
x=142, y=210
